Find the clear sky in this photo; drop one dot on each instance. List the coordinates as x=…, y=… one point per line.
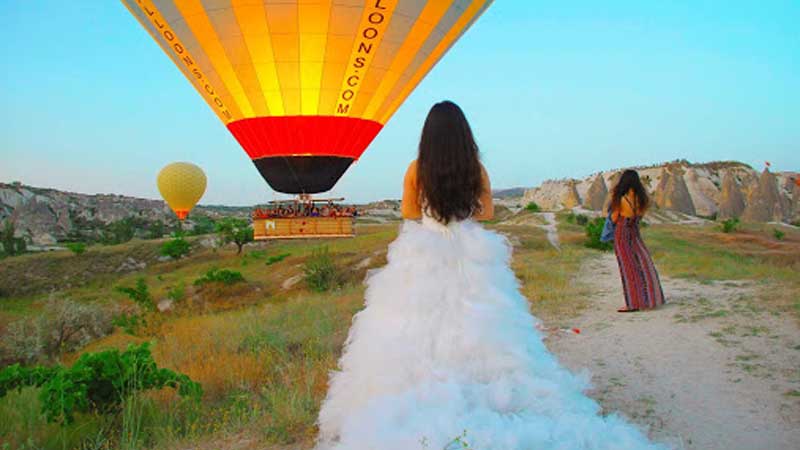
x=552, y=88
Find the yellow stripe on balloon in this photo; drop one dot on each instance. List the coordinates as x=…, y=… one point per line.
x=425, y=23
x=195, y=15
x=185, y=62
x=313, y=29
x=252, y=18
x=455, y=32
x=374, y=22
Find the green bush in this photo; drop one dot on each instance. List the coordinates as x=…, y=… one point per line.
x=532, y=206
x=277, y=258
x=96, y=383
x=730, y=225
x=139, y=294
x=203, y=225
x=579, y=219
x=223, y=276
x=119, y=232
x=156, y=230
x=78, y=248
x=594, y=229
x=779, y=235
x=176, y=248
x=176, y=293
x=11, y=245
x=320, y=271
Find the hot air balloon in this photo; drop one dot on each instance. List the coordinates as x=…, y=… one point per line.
x=181, y=184
x=305, y=85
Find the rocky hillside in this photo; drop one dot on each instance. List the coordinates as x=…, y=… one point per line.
x=48, y=216
x=716, y=189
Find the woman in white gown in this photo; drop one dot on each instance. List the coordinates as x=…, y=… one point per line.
x=446, y=350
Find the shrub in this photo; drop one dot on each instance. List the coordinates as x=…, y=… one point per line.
x=119, y=232
x=176, y=293
x=203, y=225
x=730, y=225
x=238, y=231
x=176, y=248
x=78, y=248
x=277, y=258
x=139, y=294
x=779, y=235
x=64, y=326
x=532, y=206
x=320, y=272
x=97, y=382
x=594, y=229
x=156, y=230
x=224, y=276
x=11, y=245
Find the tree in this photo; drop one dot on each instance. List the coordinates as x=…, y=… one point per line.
x=11, y=245
x=233, y=229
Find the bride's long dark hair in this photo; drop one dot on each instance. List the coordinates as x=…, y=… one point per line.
x=448, y=165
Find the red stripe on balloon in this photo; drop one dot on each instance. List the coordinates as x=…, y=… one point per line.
x=304, y=135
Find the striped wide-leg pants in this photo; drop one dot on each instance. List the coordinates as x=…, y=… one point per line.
x=640, y=281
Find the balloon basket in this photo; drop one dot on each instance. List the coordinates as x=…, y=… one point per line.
x=304, y=218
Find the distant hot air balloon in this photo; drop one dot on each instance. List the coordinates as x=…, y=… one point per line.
x=305, y=85
x=182, y=184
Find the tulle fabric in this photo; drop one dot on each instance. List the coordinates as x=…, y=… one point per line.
x=446, y=347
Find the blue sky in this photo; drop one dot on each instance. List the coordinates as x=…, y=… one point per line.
x=553, y=89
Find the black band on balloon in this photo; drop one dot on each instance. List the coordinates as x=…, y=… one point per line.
x=302, y=174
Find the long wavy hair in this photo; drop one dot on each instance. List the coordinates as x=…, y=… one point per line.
x=630, y=180
x=448, y=165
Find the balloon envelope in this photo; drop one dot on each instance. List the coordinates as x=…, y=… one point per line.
x=181, y=184
x=305, y=85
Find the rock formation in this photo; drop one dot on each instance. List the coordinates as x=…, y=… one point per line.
x=672, y=192
x=596, y=195
x=731, y=199
x=764, y=203
x=571, y=198
x=703, y=191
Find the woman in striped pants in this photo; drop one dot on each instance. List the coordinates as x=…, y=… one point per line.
x=640, y=283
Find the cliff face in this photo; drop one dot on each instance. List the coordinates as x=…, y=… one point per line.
x=596, y=195
x=722, y=188
x=47, y=216
x=765, y=203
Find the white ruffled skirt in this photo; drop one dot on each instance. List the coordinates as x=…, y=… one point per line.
x=446, y=348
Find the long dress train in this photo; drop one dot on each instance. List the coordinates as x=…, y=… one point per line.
x=446, y=347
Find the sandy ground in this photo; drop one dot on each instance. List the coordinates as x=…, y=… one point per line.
x=710, y=370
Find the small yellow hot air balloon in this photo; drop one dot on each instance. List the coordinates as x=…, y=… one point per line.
x=182, y=184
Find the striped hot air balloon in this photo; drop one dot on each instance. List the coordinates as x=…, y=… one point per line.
x=305, y=85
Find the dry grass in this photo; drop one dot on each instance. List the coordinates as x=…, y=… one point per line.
x=705, y=253
x=263, y=353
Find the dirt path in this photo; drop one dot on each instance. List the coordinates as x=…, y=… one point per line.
x=551, y=228
x=710, y=370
